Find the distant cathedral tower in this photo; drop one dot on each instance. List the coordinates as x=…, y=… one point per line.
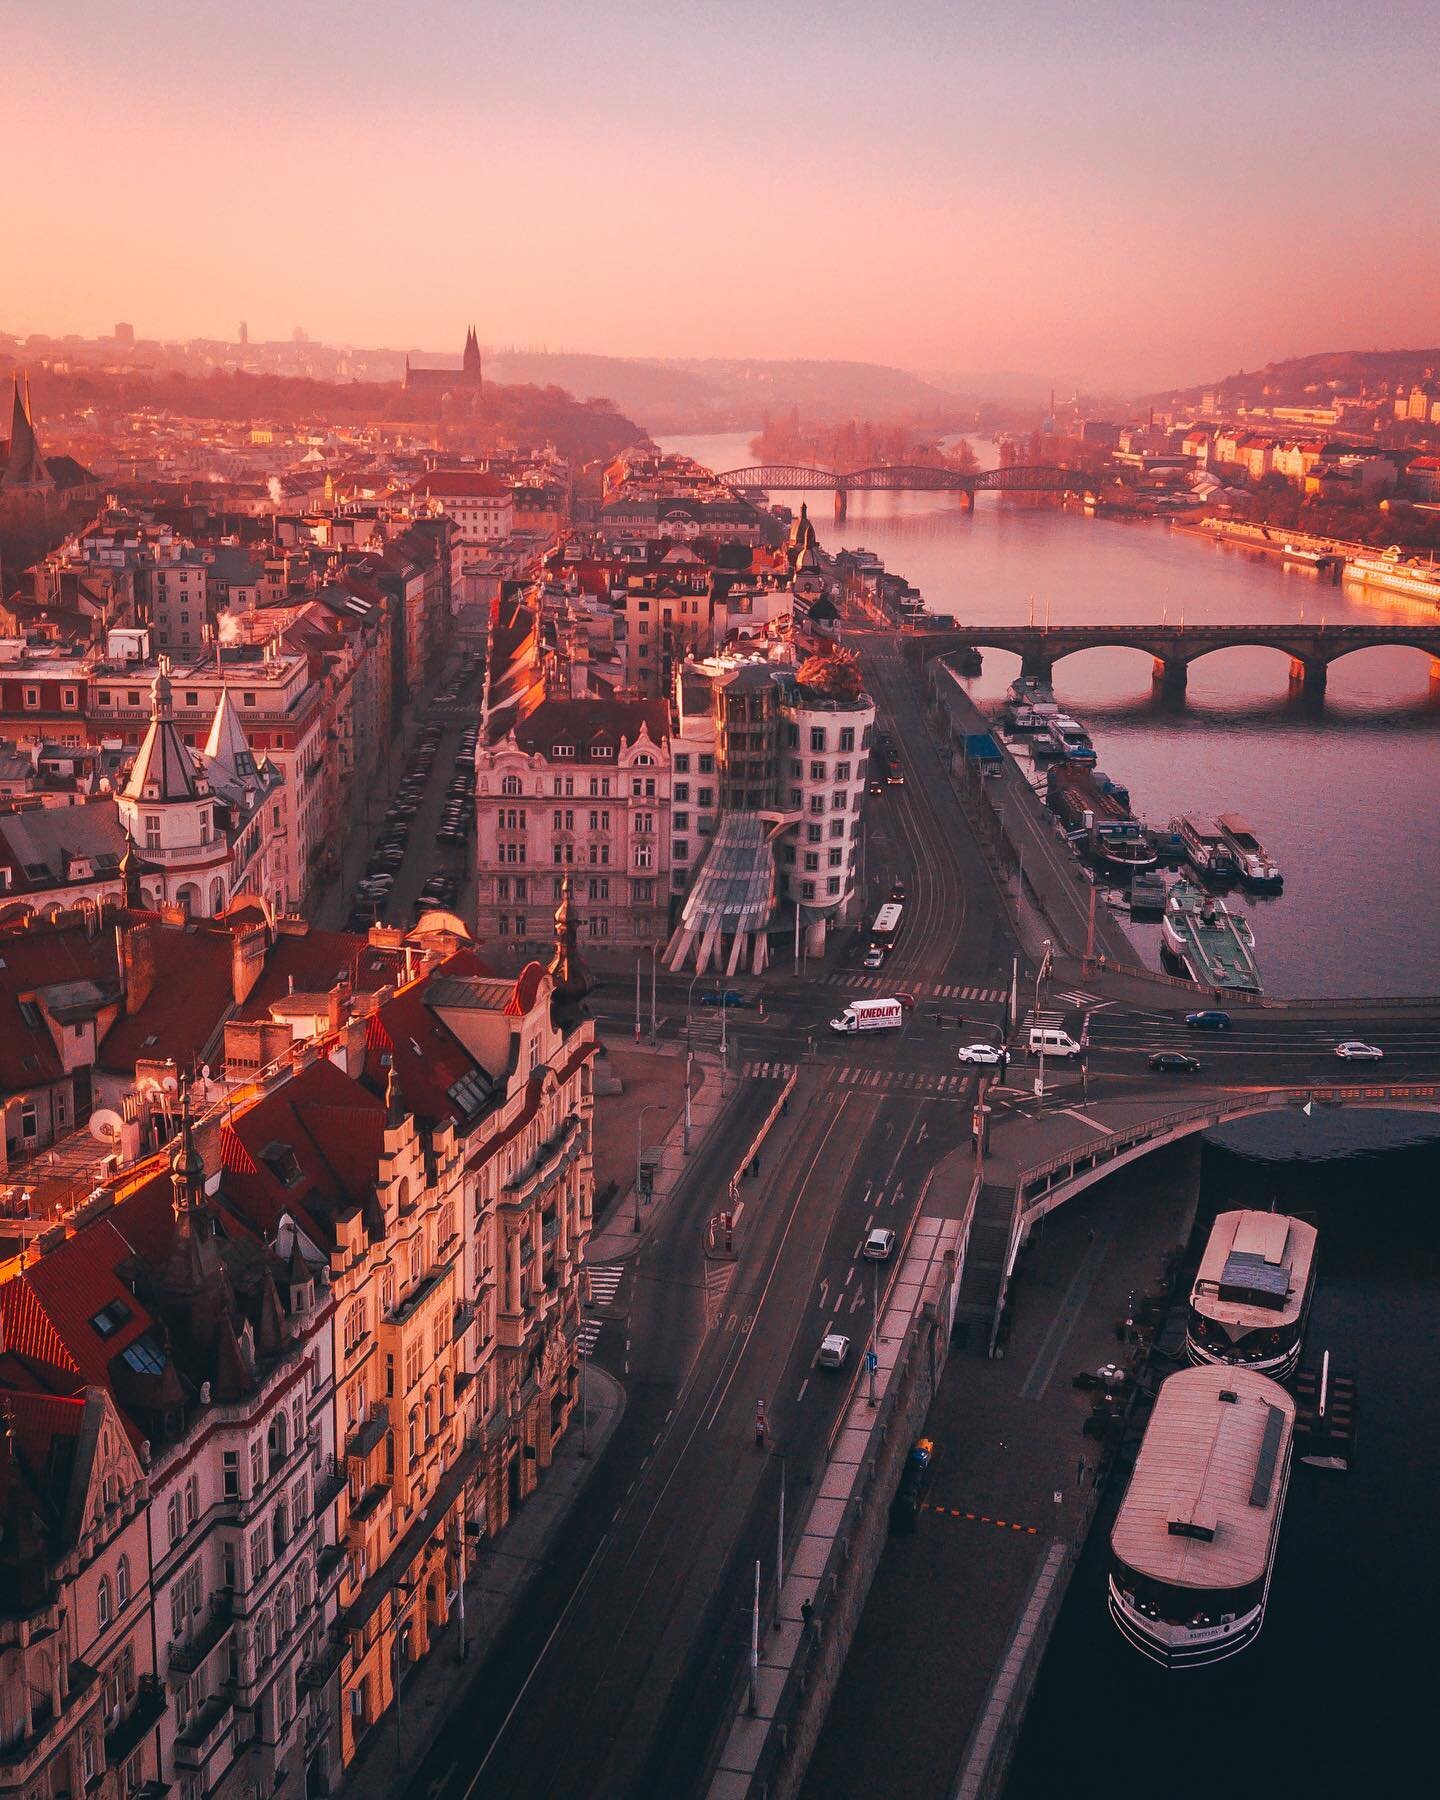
x=471, y=363
x=453, y=389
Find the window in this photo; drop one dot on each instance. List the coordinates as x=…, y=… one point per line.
x=832, y=884
x=644, y=856
x=817, y=737
x=682, y=792
x=259, y=1554
x=230, y=1474
x=681, y=821
x=191, y=699
x=173, y=1525
x=817, y=803
x=122, y=1580
x=681, y=762
x=705, y=797
x=192, y=1500
x=681, y=850
x=510, y=785
x=257, y=1465
x=706, y=765
x=847, y=737
x=354, y=1327
x=807, y=890
x=102, y=1600
x=817, y=771
x=247, y=699
x=842, y=771
x=836, y=858
x=837, y=828
x=812, y=859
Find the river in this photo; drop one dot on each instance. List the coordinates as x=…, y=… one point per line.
x=1342, y=793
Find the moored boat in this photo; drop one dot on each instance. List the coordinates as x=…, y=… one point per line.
x=1067, y=737
x=1259, y=872
x=1252, y=1292
x=1393, y=570
x=1193, y=1546
x=1210, y=944
x=1205, y=848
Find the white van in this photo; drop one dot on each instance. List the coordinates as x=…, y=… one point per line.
x=1052, y=1041
x=870, y=1015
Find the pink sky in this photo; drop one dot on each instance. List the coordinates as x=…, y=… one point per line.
x=1127, y=192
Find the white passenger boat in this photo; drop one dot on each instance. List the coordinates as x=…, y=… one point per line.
x=1252, y=1293
x=1193, y=1546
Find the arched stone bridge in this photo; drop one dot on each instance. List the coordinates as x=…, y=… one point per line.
x=917, y=478
x=1311, y=648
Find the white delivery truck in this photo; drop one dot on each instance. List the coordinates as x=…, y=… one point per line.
x=870, y=1015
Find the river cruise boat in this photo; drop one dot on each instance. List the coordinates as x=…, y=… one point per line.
x=1259, y=872
x=1397, y=573
x=1067, y=737
x=1205, y=848
x=1252, y=1293
x=1208, y=942
x=1030, y=704
x=1147, y=895
x=1193, y=1546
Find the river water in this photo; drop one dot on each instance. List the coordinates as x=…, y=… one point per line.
x=1343, y=794
x=1334, y=1697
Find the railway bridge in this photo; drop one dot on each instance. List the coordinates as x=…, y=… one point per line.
x=1173, y=647
x=896, y=478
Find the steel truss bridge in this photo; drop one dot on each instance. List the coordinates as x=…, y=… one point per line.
x=916, y=478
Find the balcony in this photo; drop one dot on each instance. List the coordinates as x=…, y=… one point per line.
x=329, y=1485
x=45, y=1724
x=201, y=1737
x=144, y=1715
x=364, y=1439
x=363, y=1510
x=549, y=1161
x=315, y=1673
x=208, y=1635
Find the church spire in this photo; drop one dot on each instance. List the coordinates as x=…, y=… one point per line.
x=471, y=362
x=25, y=467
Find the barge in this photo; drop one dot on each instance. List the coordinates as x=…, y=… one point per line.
x=1096, y=817
x=1252, y=1293
x=1193, y=1547
x=1395, y=572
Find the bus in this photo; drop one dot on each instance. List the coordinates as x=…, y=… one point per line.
x=886, y=927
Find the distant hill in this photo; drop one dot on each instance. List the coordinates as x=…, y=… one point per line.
x=728, y=393
x=1297, y=378
x=526, y=413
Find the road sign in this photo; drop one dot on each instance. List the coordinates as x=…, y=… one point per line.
x=872, y=1361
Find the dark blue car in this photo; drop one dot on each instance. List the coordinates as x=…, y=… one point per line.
x=1208, y=1021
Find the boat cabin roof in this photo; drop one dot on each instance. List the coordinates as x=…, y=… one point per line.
x=1235, y=825
x=1255, y=1270
x=1200, y=1508
x=1199, y=827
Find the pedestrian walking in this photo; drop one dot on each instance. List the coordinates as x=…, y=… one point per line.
x=807, y=1613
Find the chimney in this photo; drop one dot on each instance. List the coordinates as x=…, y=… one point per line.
x=337, y=1003
x=137, y=965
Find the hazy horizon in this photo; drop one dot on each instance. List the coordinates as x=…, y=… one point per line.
x=1140, y=196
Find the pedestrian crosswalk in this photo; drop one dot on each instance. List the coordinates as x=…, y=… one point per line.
x=604, y=1279
x=1078, y=997
x=905, y=1081
x=928, y=990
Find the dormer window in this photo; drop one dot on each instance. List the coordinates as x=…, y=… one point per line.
x=281, y=1161
x=558, y=751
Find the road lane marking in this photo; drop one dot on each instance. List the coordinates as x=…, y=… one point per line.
x=803, y=1385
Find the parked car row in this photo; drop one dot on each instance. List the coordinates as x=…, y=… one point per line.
x=458, y=819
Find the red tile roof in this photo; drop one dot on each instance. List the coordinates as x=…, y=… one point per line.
x=186, y=1009
x=527, y=986
x=426, y=1056
x=462, y=484
x=334, y=1126
x=314, y=962
x=587, y=723
x=48, y=1308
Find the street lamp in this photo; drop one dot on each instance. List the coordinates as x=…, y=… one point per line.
x=649, y=1106
x=1040, y=975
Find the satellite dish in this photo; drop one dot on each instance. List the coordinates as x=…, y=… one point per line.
x=106, y=1125
x=170, y=1084
x=204, y=1071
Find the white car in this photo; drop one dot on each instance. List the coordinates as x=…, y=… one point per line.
x=874, y=957
x=979, y=1053
x=879, y=1245
x=1352, y=1050
x=834, y=1350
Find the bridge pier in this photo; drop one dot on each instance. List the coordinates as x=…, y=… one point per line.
x=1170, y=675
x=966, y=497
x=1309, y=676
x=842, y=504
x=1036, y=666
